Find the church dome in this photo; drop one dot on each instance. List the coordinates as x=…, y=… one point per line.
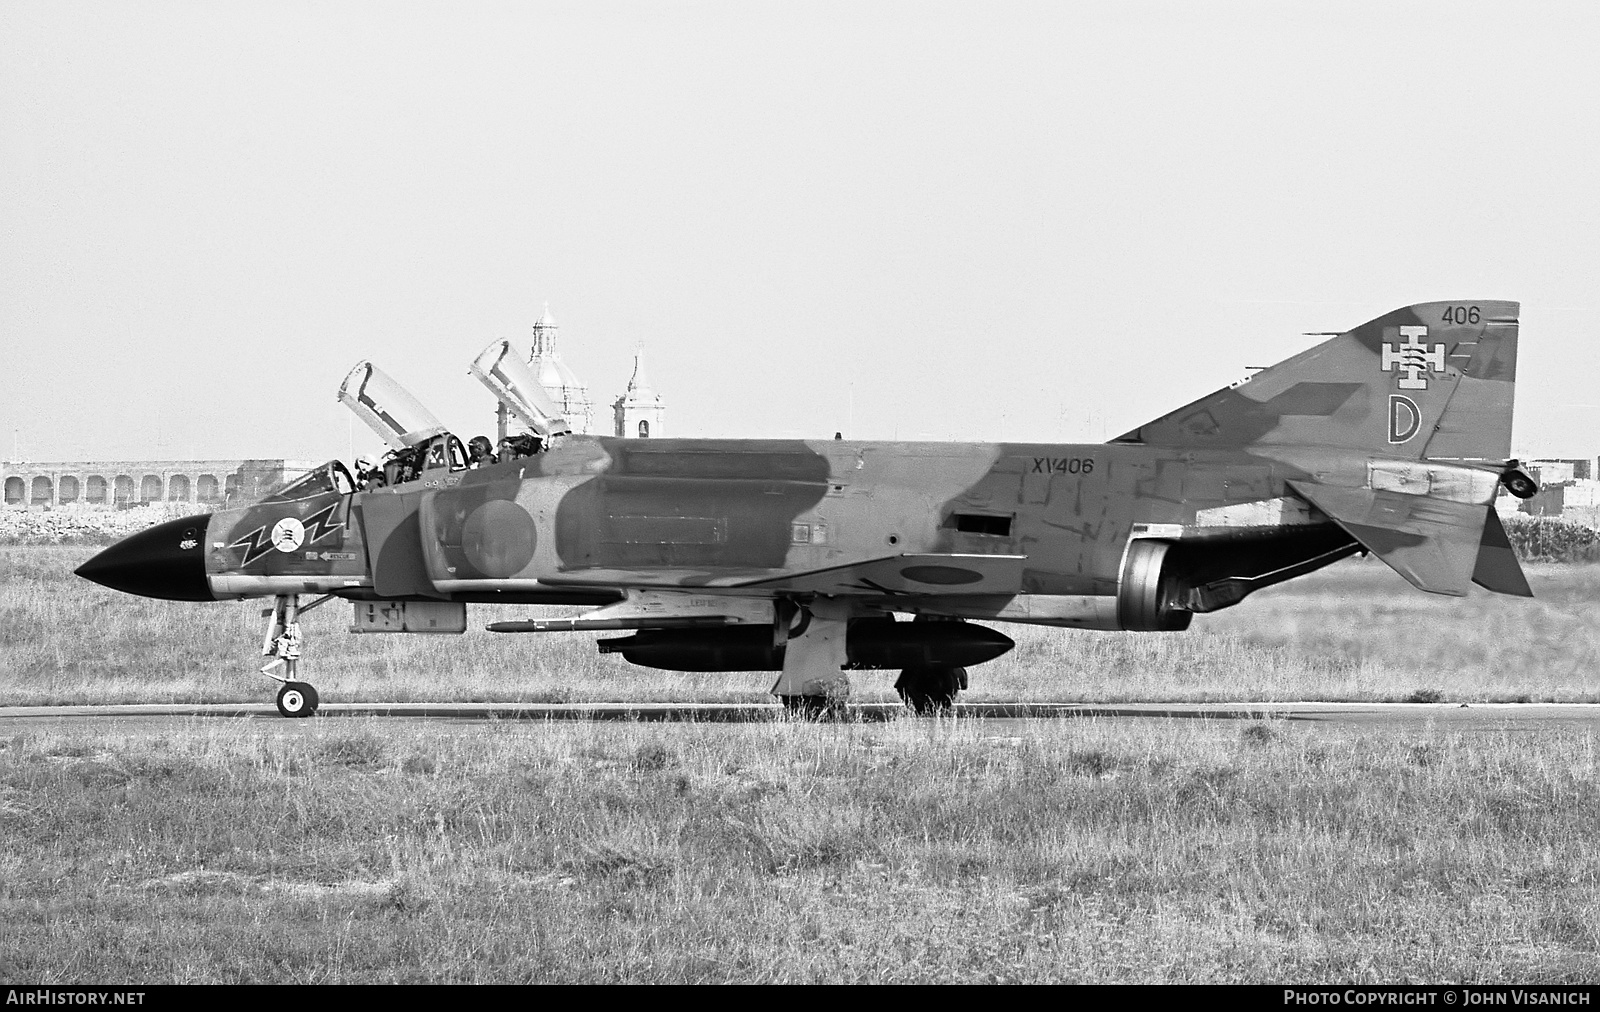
x=553, y=372
x=569, y=392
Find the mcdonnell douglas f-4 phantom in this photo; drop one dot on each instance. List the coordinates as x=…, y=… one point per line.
x=800, y=557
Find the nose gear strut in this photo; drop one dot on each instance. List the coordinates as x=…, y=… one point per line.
x=281, y=645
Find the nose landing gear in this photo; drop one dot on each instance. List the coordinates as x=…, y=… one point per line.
x=281, y=645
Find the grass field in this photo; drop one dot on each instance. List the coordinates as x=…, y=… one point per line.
x=917, y=850
x=1355, y=631
x=926, y=850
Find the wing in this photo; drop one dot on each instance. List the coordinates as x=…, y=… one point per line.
x=916, y=574
x=920, y=574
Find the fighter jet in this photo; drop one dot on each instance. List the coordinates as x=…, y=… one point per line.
x=815, y=558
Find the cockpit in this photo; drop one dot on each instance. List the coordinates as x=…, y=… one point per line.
x=330, y=477
x=420, y=444
x=442, y=452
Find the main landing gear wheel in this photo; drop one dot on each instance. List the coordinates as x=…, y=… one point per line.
x=297, y=699
x=931, y=688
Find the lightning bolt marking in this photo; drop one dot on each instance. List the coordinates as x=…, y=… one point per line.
x=255, y=545
x=318, y=526
x=321, y=524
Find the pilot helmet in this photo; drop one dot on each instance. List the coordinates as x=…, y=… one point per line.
x=479, y=447
x=364, y=463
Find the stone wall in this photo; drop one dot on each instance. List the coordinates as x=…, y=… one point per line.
x=84, y=525
x=127, y=483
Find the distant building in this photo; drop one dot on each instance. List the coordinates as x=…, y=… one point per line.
x=638, y=413
x=1559, y=469
x=1567, y=490
x=570, y=393
x=1549, y=501
x=111, y=483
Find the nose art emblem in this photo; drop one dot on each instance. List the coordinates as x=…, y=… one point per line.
x=288, y=534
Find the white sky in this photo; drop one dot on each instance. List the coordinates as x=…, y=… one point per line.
x=977, y=221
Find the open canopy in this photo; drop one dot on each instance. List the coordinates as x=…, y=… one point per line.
x=330, y=477
x=513, y=384
x=398, y=418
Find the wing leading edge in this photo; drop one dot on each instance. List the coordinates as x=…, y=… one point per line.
x=911, y=573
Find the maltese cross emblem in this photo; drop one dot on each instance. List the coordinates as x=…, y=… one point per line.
x=1413, y=359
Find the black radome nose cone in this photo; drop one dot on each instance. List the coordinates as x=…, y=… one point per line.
x=167, y=561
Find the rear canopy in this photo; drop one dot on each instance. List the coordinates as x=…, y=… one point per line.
x=398, y=418
x=514, y=385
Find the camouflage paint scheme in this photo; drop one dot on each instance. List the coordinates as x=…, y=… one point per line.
x=1390, y=438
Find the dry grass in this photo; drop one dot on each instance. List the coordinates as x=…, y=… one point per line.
x=354, y=850
x=1352, y=632
x=917, y=850
x=1551, y=539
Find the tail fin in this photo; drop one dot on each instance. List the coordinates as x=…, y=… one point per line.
x=1434, y=380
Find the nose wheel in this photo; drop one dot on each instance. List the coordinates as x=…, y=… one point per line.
x=297, y=699
x=281, y=647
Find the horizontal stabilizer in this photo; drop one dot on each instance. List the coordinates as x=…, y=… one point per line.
x=1431, y=541
x=1498, y=569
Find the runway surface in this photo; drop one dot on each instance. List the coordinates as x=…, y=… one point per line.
x=1456, y=716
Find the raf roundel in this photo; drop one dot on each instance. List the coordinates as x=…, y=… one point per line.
x=499, y=538
x=288, y=534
